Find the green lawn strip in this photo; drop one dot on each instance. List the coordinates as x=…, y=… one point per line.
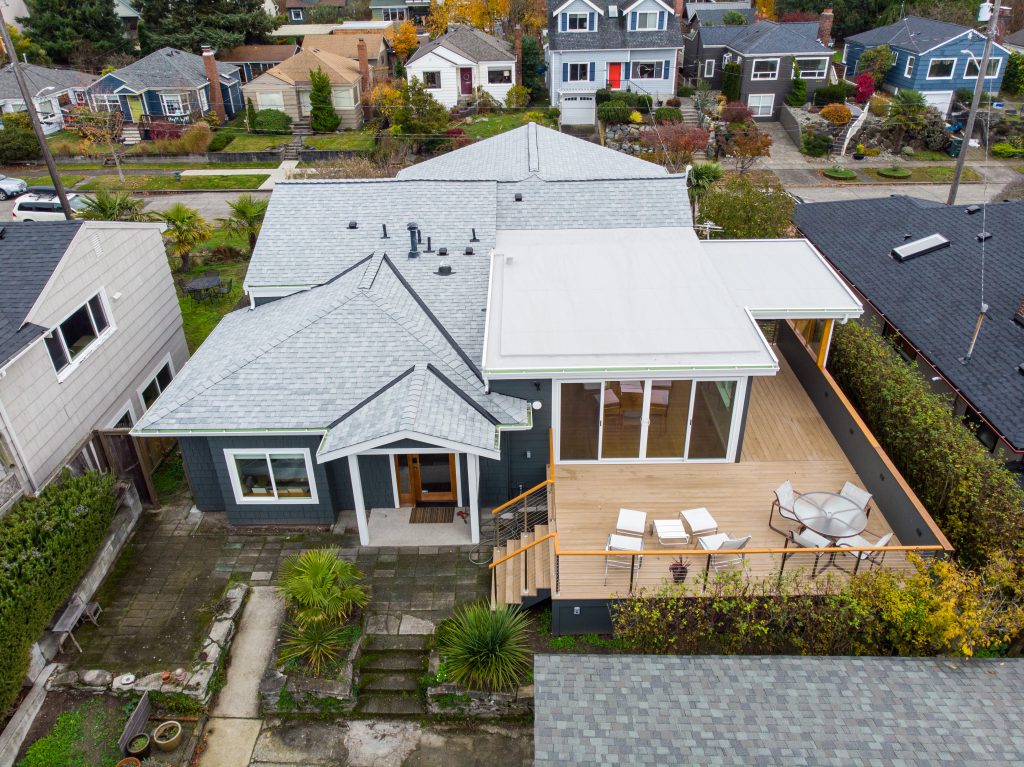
x=201, y=317
x=223, y=237
x=169, y=477
x=256, y=142
x=935, y=174
x=167, y=165
x=160, y=183
x=929, y=155
x=47, y=181
x=492, y=125
x=85, y=736
x=1019, y=168
x=356, y=141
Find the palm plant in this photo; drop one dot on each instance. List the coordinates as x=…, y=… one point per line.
x=908, y=112
x=186, y=230
x=246, y=219
x=703, y=176
x=320, y=588
x=113, y=206
x=484, y=648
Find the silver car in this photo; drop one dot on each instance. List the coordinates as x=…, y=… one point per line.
x=11, y=187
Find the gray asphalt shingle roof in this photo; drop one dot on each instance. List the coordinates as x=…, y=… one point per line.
x=168, y=68
x=29, y=252
x=39, y=78
x=911, y=33
x=794, y=711
x=470, y=43
x=771, y=37
x=720, y=35
x=612, y=33
x=715, y=16
x=933, y=299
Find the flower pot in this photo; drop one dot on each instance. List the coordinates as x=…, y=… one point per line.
x=139, y=746
x=857, y=156
x=679, y=570
x=167, y=736
x=131, y=761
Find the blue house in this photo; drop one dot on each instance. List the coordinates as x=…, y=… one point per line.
x=934, y=57
x=168, y=90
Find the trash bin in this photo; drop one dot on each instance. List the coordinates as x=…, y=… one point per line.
x=953, y=150
x=177, y=174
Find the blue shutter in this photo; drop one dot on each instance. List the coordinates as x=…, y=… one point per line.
x=632, y=21
x=590, y=22
x=593, y=71
x=627, y=70
x=565, y=22
x=565, y=71
x=668, y=69
x=661, y=19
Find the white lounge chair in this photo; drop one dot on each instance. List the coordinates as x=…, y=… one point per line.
x=784, y=500
x=631, y=522
x=722, y=542
x=622, y=552
x=699, y=521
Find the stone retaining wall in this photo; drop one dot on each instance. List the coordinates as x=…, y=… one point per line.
x=296, y=694
x=453, y=699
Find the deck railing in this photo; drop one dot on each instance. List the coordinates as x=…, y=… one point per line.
x=527, y=510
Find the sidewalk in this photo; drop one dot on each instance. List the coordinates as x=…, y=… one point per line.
x=280, y=173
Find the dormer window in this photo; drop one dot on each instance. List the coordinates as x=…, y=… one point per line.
x=577, y=22
x=647, y=21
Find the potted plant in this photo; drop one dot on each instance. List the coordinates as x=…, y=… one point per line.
x=139, y=746
x=858, y=152
x=679, y=569
x=131, y=761
x=167, y=736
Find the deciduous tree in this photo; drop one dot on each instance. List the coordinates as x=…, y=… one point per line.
x=443, y=14
x=876, y=61
x=101, y=130
x=405, y=41
x=486, y=14
x=675, y=143
x=25, y=48
x=748, y=208
x=745, y=144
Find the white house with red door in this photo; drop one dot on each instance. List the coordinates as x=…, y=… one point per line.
x=461, y=60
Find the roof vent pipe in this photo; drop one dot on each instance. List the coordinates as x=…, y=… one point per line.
x=419, y=236
x=444, y=269
x=469, y=250
x=519, y=196
x=353, y=225
x=428, y=246
x=414, y=251
x=442, y=251
x=385, y=227
x=473, y=238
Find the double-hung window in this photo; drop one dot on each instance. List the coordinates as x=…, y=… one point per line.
x=149, y=393
x=709, y=68
x=941, y=69
x=974, y=66
x=647, y=70
x=765, y=69
x=812, y=69
x=647, y=21
x=908, y=71
x=579, y=72
x=68, y=341
x=272, y=476
x=577, y=22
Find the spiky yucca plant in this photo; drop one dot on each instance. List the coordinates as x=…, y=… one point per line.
x=321, y=588
x=484, y=648
x=319, y=645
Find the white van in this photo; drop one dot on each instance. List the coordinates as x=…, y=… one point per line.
x=44, y=207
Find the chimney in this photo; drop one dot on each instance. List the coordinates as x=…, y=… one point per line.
x=825, y=27
x=519, y=54
x=216, y=97
x=678, y=8
x=364, y=76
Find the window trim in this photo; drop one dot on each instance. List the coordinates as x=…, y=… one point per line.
x=586, y=71
x=340, y=90
x=164, y=101
x=295, y=14
x=771, y=104
x=152, y=377
x=261, y=95
x=908, y=70
x=753, y=70
x=393, y=14
x=655, y=28
x=511, y=75
x=109, y=101
x=952, y=71
x=977, y=62
x=101, y=336
x=236, y=482
x=712, y=72
x=823, y=60
x=633, y=65
x=586, y=21
x=428, y=86
x=128, y=409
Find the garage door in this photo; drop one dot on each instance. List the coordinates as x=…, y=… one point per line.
x=578, y=108
x=939, y=99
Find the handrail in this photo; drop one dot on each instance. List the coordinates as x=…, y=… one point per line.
x=527, y=547
x=522, y=495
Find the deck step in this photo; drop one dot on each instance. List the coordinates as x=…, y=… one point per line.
x=513, y=591
x=499, y=577
x=525, y=566
x=541, y=563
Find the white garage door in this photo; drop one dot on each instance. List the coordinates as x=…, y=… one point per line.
x=939, y=99
x=578, y=108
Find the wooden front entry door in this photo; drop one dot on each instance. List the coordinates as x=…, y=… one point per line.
x=614, y=76
x=426, y=478
x=466, y=81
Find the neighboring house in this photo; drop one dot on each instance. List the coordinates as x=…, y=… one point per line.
x=297, y=11
x=596, y=44
x=90, y=334
x=713, y=14
x=934, y=57
x=461, y=60
x=1015, y=42
x=253, y=60
x=286, y=87
x=769, y=53
x=168, y=88
x=346, y=44
x=399, y=10
x=931, y=302
x=54, y=91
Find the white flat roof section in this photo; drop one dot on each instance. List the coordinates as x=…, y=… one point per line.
x=582, y=301
x=782, y=279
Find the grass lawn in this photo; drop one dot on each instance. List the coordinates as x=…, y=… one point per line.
x=83, y=736
x=492, y=125
x=223, y=237
x=166, y=165
x=353, y=140
x=158, y=183
x=255, y=142
x=930, y=155
x=169, y=477
x=201, y=317
x=936, y=174
x=47, y=181
x=853, y=180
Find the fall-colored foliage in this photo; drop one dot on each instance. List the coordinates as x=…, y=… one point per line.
x=837, y=114
x=745, y=144
x=405, y=41
x=675, y=142
x=766, y=9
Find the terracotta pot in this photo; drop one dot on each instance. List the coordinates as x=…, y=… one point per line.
x=162, y=741
x=131, y=761
x=140, y=753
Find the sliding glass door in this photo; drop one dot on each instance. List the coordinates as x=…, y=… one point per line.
x=653, y=420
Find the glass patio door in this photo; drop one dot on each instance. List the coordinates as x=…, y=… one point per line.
x=622, y=414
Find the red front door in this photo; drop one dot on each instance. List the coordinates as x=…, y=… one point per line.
x=614, y=76
x=466, y=81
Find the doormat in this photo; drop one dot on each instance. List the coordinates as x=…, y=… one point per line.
x=432, y=514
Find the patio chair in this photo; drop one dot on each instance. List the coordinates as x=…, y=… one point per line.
x=225, y=288
x=670, y=532
x=808, y=539
x=784, y=500
x=623, y=553
x=858, y=495
x=873, y=557
x=722, y=542
x=699, y=521
x=631, y=522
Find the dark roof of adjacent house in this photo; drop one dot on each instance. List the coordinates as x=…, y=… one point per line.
x=29, y=252
x=307, y=4
x=933, y=299
x=39, y=78
x=611, y=33
x=742, y=710
x=720, y=35
x=168, y=68
x=1017, y=39
x=469, y=43
x=911, y=33
x=763, y=37
x=711, y=16
x=257, y=53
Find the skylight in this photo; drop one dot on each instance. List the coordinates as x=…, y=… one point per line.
x=920, y=247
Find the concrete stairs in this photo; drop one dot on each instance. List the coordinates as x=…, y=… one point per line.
x=525, y=579
x=130, y=134
x=390, y=669
x=690, y=116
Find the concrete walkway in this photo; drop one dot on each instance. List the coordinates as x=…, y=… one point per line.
x=234, y=723
x=280, y=173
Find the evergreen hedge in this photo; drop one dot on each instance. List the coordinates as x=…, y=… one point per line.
x=970, y=494
x=46, y=545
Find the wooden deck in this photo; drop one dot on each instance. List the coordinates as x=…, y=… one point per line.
x=785, y=439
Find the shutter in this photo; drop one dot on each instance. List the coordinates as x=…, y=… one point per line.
x=632, y=21
x=565, y=71
x=626, y=66
x=565, y=22
x=593, y=71
x=668, y=69
x=661, y=19
x=590, y=22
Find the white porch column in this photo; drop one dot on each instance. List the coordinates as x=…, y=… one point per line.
x=357, y=497
x=473, y=462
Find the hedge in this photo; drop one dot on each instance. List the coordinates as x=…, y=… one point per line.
x=46, y=545
x=614, y=112
x=272, y=121
x=973, y=498
x=836, y=93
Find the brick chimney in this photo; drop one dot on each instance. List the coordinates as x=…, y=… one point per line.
x=364, y=74
x=519, y=54
x=825, y=27
x=216, y=97
x=677, y=6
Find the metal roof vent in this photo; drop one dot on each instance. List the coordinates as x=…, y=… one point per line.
x=982, y=236
x=353, y=225
x=385, y=228
x=414, y=250
x=519, y=196
x=469, y=250
x=473, y=238
x=428, y=250
x=972, y=209
x=1020, y=368
x=444, y=269
x=442, y=251
x=925, y=245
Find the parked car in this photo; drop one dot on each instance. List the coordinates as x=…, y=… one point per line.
x=44, y=207
x=11, y=187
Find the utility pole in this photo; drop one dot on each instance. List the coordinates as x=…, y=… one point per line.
x=33, y=116
x=992, y=9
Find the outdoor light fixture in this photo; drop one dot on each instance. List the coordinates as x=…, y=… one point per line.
x=536, y=404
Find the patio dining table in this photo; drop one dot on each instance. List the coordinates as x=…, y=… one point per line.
x=830, y=514
x=203, y=284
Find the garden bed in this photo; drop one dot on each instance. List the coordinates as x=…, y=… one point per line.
x=935, y=174
x=840, y=174
x=75, y=729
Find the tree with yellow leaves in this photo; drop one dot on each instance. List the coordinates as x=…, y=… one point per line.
x=766, y=9
x=443, y=14
x=405, y=41
x=486, y=14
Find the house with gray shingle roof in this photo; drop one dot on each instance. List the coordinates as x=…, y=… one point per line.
x=463, y=59
x=53, y=91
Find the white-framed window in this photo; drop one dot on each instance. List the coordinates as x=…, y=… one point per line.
x=646, y=70
x=500, y=76
x=79, y=332
x=908, y=71
x=171, y=103
x=343, y=97
x=157, y=382
x=973, y=66
x=577, y=22
x=295, y=14
x=271, y=100
x=941, y=69
x=761, y=104
x=282, y=475
x=394, y=14
x=125, y=418
x=765, y=69
x=895, y=59
x=204, y=103
x=431, y=80
x=647, y=21
x=579, y=72
x=846, y=49
x=709, y=68
x=812, y=69
x=105, y=102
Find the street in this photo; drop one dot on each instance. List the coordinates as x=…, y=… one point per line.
x=211, y=205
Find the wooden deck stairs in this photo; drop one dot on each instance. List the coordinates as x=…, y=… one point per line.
x=525, y=579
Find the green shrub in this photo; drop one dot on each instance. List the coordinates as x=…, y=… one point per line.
x=320, y=587
x=815, y=144
x=272, y=121
x=664, y=115
x=613, y=112
x=1006, y=150
x=798, y=96
x=518, y=96
x=553, y=113
x=317, y=645
x=602, y=95
x=484, y=648
x=683, y=91
x=196, y=139
x=832, y=94
x=879, y=105
x=46, y=545
x=1013, y=79
x=731, y=75
x=17, y=140
x=220, y=141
